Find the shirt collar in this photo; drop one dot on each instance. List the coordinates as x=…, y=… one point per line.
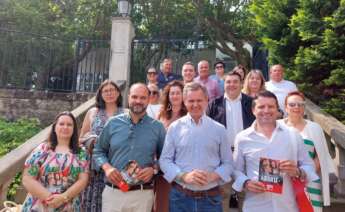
x=141, y=120
x=193, y=123
x=239, y=97
x=252, y=128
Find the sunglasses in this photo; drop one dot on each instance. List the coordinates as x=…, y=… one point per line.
x=153, y=93
x=218, y=67
x=151, y=73
x=296, y=104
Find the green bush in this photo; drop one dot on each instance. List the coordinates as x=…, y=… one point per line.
x=12, y=134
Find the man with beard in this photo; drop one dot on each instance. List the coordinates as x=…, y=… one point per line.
x=132, y=136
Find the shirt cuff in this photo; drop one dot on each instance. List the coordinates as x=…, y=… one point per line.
x=171, y=175
x=310, y=172
x=225, y=178
x=238, y=184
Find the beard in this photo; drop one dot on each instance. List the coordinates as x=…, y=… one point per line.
x=137, y=108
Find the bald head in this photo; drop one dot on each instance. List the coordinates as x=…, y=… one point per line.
x=138, y=98
x=203, y=69
x=277, y=73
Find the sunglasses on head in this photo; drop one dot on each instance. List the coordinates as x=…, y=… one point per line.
x=296, y=104
x=153, y=93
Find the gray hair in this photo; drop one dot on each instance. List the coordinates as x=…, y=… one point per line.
x=194, y=86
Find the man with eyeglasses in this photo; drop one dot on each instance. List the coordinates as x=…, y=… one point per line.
x=219, y=69
x=266, y=139
x=132, y=136
x=279, y=86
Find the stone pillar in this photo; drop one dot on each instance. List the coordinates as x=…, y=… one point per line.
x=122, y=34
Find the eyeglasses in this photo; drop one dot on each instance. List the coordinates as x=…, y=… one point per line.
x=296, y=104
x=218, y=67
x=153, y=93
x=109, y=91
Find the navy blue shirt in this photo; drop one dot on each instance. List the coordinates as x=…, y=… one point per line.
x=121, y=141
x=163, y=80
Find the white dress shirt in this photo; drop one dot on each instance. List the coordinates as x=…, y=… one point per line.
x=234, y=121
x=281, y=90
x=284, y=144
x=203, y=146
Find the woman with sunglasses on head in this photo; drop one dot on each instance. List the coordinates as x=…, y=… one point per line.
x=172, y=109
x=154, y=106
x=315, y=142
x=57, y=170
x=108, y=104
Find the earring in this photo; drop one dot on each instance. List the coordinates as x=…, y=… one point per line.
x=169, y=106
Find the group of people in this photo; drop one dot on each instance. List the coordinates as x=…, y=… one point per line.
x=193, y=140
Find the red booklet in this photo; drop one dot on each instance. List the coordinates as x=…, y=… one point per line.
x=269, y=174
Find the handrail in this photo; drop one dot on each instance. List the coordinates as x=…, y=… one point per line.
x=12, y=163
x=336, y=131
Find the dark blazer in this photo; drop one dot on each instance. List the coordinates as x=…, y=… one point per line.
x=216, y=110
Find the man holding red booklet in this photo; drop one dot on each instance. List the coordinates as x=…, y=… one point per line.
x=268, y=157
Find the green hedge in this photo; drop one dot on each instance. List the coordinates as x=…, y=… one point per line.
x=12, y=134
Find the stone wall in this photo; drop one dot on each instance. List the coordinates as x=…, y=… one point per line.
x=15, y=103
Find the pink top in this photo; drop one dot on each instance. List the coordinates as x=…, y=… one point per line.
x=211, y=86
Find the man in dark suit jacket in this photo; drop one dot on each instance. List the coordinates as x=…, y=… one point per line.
x=217, y=108
x=234, y=111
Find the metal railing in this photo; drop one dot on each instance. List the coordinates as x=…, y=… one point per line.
x=38, y=62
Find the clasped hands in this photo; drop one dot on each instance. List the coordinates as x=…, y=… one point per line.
x=55, y=200
x=286, y=166
x=199, y=177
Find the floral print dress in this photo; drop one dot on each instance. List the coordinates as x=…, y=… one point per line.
x=56, y=172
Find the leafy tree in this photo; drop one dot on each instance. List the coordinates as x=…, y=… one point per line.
x=308, y=37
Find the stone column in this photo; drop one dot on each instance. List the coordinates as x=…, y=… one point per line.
x=122, y=34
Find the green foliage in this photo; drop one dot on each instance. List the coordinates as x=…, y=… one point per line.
x=308, y=37
x=12, y=134
x=12, y=190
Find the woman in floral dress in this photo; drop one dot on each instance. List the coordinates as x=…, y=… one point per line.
x=108, y=103
x=57, y=170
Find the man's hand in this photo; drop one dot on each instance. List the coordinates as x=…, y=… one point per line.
x=254, y=186
x=113, y=175
x=196, y=177
x=145, y=174
x=289, y=167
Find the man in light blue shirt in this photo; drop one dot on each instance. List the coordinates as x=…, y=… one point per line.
x=130, y=138
x=196, y=156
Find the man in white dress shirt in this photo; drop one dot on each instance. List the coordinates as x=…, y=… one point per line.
x=267, y=138
x=279, y=86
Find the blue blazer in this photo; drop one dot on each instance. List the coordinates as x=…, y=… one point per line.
x=216, y=110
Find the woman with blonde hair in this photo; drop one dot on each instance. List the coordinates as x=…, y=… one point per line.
x=254, y=83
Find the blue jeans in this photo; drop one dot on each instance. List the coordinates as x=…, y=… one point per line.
x=180, y=202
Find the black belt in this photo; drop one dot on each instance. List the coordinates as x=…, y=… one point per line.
x=146, y=186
